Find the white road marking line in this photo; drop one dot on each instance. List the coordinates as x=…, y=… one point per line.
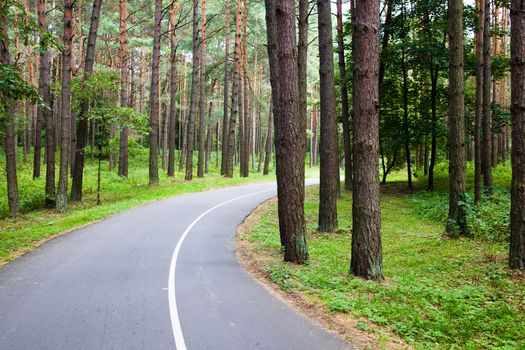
x=174, y=314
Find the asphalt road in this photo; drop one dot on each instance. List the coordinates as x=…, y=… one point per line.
x=160, y=276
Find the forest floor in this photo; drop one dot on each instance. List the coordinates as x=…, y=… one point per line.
x=439, y=293
x=38, y=224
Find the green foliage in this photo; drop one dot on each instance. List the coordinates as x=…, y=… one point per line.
x=489, y=220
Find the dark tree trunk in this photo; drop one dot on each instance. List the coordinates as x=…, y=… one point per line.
x=246, y=104
x=195, y=83
x=457, y=220
x=479, y=103
x=202, y=99
x=13, y=199
x=154, y=99
x=65, y=142
x=124, y=98
x=268, y=145
x=486, y=152
x=329, y=147
x=290, y=140
x=344, y=98
x=366, y=258
x=173, y=92
x=226, y=98
x=235, y=94
x=82, y=129
x=517, y=225
x=47, y=114
x=44, y=90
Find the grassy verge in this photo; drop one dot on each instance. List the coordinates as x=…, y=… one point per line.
x=439, y=294
x=38, y=224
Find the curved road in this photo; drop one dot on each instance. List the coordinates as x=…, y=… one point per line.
x=160, y=276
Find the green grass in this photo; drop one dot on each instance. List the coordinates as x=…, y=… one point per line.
x=118, y=194
x=439, y=293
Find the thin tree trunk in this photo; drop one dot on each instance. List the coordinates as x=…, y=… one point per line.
x=82, y=129
x=195, y=83
x=124, y=98
x=202, y=100
x=246, y=102
x=517, y=222
x=457, y=220
x=235, y=95
x=329, y=172
x=44, y=89
x=173, y=90
x=486, y=152
x=65, y=142
x=344, y=98
x=226, y=99
x=268, y=145
x=366, y=258
x=479, y=102
x=405, y=103
x=154, y=99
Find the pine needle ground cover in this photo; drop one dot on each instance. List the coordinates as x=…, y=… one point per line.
x=439, y=293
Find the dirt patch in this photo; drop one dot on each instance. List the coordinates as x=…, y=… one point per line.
x=343, y=325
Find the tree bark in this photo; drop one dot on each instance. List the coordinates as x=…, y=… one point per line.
x=82, y=129
x=226, y=85
x=290, y=140
x=486, y=152
x=479, y=102
x=329, y=146
x=65, y=142
x=44, y=90
x=173, y=90
x=124, y=98
x=195, y=83
x=517, y=222
x=268, y=145
x=235, y=94
x=366, y=261
x=13, y=197
x=344, y=98
x=457, y=220
x=202, y=99
x=154, y=99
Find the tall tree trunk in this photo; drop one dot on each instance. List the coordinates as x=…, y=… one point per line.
x=329, y=172
x=344, y=98
x=124, y=98
x=406, y=126
x=302, y=56
x=486, y=152
x=479, y=102
x=45, y=76
x=65, y=142
x=82, y=129
x=235, y=94
x=154, y=99
x=173, y=90
x=517, y=222
x=457, y=220
x=290, y=129
x=246, y=102
x=44, y=89
x=13, y=197
x=366, y=259
x=226, y=100
x=195, y=83
x=202, y=99
x=268, y=145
